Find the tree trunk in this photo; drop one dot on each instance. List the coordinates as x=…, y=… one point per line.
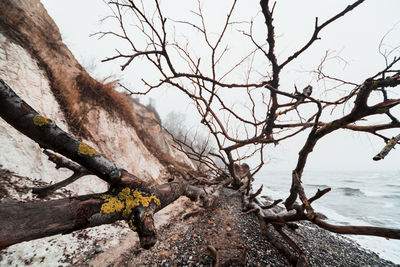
x=31, y=220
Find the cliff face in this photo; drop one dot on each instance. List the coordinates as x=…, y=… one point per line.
x=41, y=69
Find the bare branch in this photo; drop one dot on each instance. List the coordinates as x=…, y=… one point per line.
x=317, y=29
x=61, y=163
x=389, y=146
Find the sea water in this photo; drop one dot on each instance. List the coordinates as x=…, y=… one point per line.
x=356, y=198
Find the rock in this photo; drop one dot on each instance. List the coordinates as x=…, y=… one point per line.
x=165, y=254
x=174, y=237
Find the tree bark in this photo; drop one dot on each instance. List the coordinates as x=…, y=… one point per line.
x=47, y=134
x=23, y=221
x=129, y=198
x=26, y=221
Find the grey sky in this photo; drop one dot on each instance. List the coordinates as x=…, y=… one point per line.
x=355, y=38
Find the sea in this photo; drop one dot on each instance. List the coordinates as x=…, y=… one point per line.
x=357, y=198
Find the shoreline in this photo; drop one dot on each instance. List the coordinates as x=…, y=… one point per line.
x=357, y=198
x=237, y=238
x=186, y=236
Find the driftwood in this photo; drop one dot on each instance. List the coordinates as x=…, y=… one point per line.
x=275, y=217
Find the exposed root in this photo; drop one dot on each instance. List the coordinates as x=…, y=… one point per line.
x=215, y=254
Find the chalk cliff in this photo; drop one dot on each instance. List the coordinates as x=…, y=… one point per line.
x=40, y=68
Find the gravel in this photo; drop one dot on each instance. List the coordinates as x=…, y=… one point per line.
x=239, y=242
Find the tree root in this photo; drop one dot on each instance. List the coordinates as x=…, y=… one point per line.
x=293, y=258
x=215, y=254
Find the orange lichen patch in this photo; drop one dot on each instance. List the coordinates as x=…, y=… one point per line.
x=39, y=120
x=85, y=149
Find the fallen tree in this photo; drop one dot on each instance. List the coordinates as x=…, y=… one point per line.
x=208, y=79
x=130, y=198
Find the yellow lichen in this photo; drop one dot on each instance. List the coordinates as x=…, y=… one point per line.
x=135, y=200
x=129, y=202
x=126, y=201
x=124, y=194
x=105, y=196
x=145, y=201
x=112, y=204
x=39, y=120
x=131, y=223
x=85, y=149
x=392, y=142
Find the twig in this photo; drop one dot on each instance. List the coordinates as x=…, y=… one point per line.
x=61, y=162
x=319, y=194
x=317, y=29
x=47, y=190
x=276, y=202
x=254, y=195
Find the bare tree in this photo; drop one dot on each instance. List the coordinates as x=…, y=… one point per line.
x=175, y=124
x=238, y=129
x=197, y=145
x=240, y=132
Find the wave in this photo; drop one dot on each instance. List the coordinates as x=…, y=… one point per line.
x=357, y=198
x=349, y=191
x=381, y=194
x=392, y=185
x=320, y=186
x=391, y=196
x=350, y=181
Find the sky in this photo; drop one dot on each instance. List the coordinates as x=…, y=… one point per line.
x=354, y=39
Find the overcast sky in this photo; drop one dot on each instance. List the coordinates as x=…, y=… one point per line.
x=354, y=38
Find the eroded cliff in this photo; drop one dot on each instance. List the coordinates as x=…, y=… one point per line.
x=40, y=68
